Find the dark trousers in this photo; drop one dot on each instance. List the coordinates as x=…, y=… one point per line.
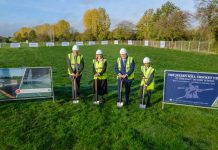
x=147, y=97
x=127, y=84
x=77, y=86
x=101, y=87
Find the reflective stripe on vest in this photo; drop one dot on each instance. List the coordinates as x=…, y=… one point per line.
x=99, y=67
x=128, y=63
x=147, y=73
x=73, y=63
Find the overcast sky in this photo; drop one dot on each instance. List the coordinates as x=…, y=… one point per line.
x=18, y=13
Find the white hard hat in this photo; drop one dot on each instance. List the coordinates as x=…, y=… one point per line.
x=123, y=51
x=99, y=52
x=146, y=60
x=75, y=48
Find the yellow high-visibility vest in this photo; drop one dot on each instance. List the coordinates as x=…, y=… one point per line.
x=73, y=63
x=99, y=67
x=147, y=74
x=128, y=63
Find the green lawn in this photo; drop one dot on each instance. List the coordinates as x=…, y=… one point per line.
x=41, y=124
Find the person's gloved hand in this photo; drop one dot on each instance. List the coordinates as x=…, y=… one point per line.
x=73, y=75
x=97, y=74
x=120, y=75
x=77, y=74
x=124, y=76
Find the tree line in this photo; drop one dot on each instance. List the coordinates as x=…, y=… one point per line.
x=168, y=22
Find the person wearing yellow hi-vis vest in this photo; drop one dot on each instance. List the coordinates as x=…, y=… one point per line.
x=100, y=75
x=75, y=63
x=124, y=69
x=147, y=81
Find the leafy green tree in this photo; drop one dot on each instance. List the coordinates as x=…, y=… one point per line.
x=173, y=26
x=98, y=22
x=61, y=30
x=17, y=37
x=145, y=25
x=124, y=31
x=32, y=36
x=166, y=23
x=207, y=13
x=88, y=36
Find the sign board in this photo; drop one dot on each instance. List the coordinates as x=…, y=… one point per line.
x=15, y=45
x=65, y=43
x=146, y=43
x=116, y=42
x=191, y=88
x=79, y=43
x=26, y=83
x=49, y=44
x=33, y=45
x=91, y=42
x=162, y=44
x=104, y=42
x=130, y=42
x=0, y=45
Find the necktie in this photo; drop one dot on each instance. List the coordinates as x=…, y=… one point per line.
x=124, y=63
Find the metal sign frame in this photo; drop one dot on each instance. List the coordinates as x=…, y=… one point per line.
x=163, y=102
x=28, y=98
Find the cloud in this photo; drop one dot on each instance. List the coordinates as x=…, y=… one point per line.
x=88, y=1
x=8, y=29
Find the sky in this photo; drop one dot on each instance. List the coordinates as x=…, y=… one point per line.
x=8, y=72
x=15, y=14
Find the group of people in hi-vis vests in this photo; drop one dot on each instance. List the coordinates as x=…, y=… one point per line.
x=124, y=69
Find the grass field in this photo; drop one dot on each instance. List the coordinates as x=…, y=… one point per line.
x=41, y=124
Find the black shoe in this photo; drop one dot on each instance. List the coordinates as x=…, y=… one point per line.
x=148, y=105
x=101, y=102
x=102, y=98
x=128, y=102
